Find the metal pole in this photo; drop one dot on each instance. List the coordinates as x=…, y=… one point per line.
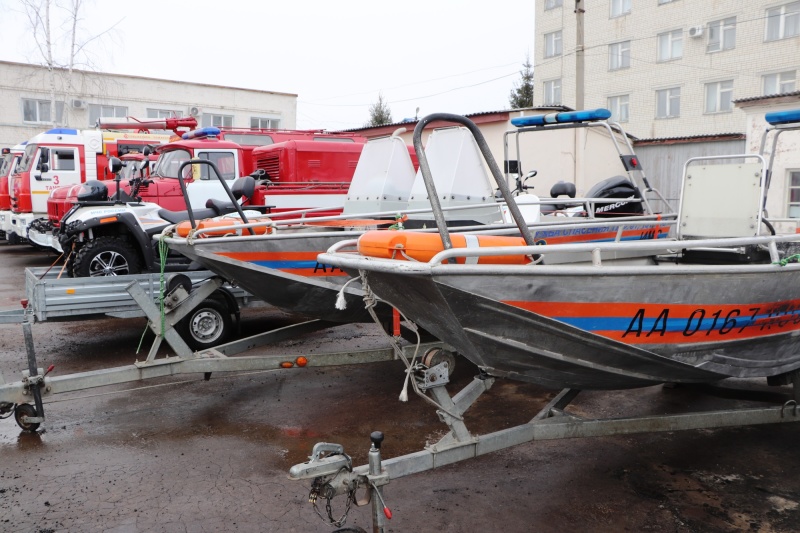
x=579, y=51
x=378, y=518
x=32, y=368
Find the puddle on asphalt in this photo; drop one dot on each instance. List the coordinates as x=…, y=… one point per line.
x=11, y=436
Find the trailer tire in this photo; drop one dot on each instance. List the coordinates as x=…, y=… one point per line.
x=106, y=256
x=207, y=325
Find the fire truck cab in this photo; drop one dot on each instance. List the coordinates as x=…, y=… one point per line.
x=62, y=157
x=8, y=166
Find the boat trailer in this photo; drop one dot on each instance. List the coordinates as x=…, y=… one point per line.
x=329, y=466
x=37, y=385
x=333, y=474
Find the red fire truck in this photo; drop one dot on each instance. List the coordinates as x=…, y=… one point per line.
x=62, y=157
x=8, y=165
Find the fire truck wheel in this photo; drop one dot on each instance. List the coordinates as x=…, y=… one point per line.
x=106, y=256
x=25, y=409
x=208, y=325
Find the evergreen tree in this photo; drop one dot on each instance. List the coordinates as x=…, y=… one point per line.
x=379, y=113
x=522, y=93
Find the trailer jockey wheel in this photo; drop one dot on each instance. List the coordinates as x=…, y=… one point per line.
x=208, y=325
x=26, y=409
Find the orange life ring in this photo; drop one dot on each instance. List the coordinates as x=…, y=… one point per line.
x=423, y=246
x=184, y=228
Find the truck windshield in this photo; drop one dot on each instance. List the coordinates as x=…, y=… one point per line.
x=28, y=157
x=5, y=166
x=169, y=162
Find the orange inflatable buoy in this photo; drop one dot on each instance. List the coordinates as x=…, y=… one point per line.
x=185, y=227
x=423, y=246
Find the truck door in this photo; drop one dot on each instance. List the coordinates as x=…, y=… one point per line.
x=63, y=168
x=206, y=185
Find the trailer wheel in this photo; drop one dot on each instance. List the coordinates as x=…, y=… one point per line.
x=106, y=256
x=208, y=325
x=25, y=409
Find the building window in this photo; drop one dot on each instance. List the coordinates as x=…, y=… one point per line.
x=619, y=55
x=552, y=92
x=552, y=44
x=551, y=4
x=783, y=22
x=39, y=111
x=719, y=96
x=265, y=123
x=618, y=105
x=163, y=113
x=668, y=103
x=721, y=35
x=780, y=82
x=620, y=7
x=794, y=194
x=218, y=121
x=96, y=112
x=670, y=45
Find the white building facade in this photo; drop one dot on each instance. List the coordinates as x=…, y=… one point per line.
x=84, y=97
x=668, y=68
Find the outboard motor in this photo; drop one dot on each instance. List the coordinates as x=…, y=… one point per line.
x=616, y=187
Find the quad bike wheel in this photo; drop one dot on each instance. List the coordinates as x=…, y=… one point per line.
x=106, y=256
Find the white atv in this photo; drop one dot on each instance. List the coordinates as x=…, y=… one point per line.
x=114, y=236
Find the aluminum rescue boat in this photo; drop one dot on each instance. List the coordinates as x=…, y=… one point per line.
x=719, y=299
x=278, y=261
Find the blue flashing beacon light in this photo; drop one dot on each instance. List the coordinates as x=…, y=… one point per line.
x=201, y=133
x=563, y=117
x=62, y=131
x=783, y=117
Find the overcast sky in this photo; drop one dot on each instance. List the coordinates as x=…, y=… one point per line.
x=438, y=55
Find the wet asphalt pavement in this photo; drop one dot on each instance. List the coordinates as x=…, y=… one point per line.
x=184, y=454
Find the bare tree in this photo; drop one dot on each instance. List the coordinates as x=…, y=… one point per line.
x=60, y=42
x=379, y=113
x=522, y=93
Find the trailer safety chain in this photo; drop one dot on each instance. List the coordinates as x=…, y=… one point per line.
x=411, y=366
x=320, y=486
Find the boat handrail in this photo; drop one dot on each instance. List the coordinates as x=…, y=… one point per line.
x=559, y=224
x=595, y=248
x=341, y=245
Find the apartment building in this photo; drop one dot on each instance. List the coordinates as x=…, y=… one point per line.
x=83, y=97
x=669, y=68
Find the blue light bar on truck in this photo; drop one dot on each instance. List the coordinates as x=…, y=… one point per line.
x=783, y=117
x=62, y=131
x=562, y=118
x=201, y=133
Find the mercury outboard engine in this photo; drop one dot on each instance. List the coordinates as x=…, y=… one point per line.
x=616, y=187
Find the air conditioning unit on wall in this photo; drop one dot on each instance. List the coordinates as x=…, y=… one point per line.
x=696, y=31
x=195, y=111
x=79, y=104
